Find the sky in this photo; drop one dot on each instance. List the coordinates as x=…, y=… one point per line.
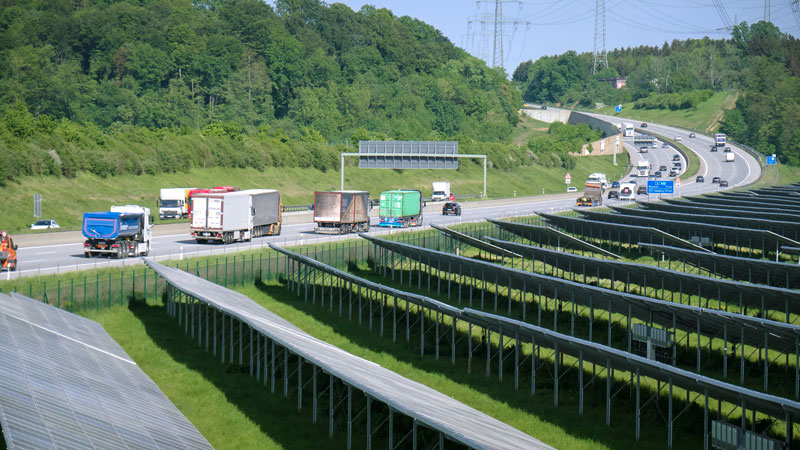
x=535, y=28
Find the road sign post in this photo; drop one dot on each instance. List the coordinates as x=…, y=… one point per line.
x=37, y=205
x=568, y=178
x=771, y=160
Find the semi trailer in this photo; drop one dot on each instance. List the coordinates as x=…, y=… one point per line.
x=173, y=203
x=341, y=212
x=401, y=208
x=235, y=216
x=120, y=232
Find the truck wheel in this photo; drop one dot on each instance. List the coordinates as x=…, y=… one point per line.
x=147, y=251
x=13, y=266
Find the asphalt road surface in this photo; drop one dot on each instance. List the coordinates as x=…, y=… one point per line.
x=35, y=260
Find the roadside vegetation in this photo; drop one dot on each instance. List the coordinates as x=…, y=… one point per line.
x=753, y=76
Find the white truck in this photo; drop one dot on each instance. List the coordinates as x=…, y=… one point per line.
x=627, y=191
x=441, y=191
x=235, y=216
x=598, y=178
x=172, y=203
x=730, y=157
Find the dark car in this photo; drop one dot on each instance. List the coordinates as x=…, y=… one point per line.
x=676, y=157
x=673, y=174
x=691, y=135
x=644, y=125
x=728, y=149
x=613, y=194
x=615, y=184
x=676, y=166
x=451, y=208
x=544, y=106
x=663, y=168
x=714, y=148
x=700, y=179
x=657, y=174
x=715, y=180
x=665, y=145
x=641, y=190
x=723, y=183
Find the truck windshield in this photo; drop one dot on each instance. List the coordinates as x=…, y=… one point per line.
x=171, y=203
x=438, y=192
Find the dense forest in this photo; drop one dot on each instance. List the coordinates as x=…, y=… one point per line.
x=146, y=86
x=758, y=61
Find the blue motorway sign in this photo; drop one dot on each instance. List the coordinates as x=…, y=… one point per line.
x=618, y=108
x=771, y=161
x=660, y=186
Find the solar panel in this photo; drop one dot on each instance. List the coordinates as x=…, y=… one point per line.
x=64, y=383
x=426, y=405
x=755, y=296
x=789, y=229
x=477, y=243
x=715, y=210
x=528, y=231
x=704, y=202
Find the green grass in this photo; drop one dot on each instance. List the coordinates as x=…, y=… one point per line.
x=776, y=175
x=527, y=129
x=704, y=118
x=65, y=200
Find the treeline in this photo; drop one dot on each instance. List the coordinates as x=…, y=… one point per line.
x=674, y=101
x=302, y=69
x=759, y=61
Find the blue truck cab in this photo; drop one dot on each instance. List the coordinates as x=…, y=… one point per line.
x=124, y=231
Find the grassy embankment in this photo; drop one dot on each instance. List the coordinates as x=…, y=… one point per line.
x=705, y=117
x=65, y=200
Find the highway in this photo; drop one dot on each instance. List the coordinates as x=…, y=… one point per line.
x=43, y=259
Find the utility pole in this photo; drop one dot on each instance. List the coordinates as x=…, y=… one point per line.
x=600, y=57
x=490, y=22
x=767, y=11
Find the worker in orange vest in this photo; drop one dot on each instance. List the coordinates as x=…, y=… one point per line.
x=5, y=241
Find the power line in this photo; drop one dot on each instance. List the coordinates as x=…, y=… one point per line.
x=489, y=25
x=600, y=56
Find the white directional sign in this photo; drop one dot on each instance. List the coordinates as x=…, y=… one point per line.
x=568, y=178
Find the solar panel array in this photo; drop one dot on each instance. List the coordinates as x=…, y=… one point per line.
x=64, y=383
x=439, y=412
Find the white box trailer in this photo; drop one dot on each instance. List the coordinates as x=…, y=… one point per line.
x=235, y=216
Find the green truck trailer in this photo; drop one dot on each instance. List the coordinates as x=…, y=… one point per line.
x=401, y=208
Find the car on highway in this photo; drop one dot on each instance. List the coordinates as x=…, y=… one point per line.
x=713, y=148
x=665, y=145
x=663, y=168
x=615, y=184
x=641, y=190
x=613, y=194
x=692, y=135
x=572, y=189
x=723, y=183
x=644, y=124
x=673, y=174
x=677, y=138
x=453, y=208
x=700, y=179
x=544, y=106
x=657, y=174
x=728, y=149
x=676, y=165
x=715, y=180
x=676, y=157
x=44, y=225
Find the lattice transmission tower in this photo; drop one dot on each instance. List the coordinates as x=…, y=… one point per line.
x=488, y=33
x=767, y=11
x=600, y=57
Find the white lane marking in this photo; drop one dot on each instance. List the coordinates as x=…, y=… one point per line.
x=44, y=253
x=50, y=246
x=34, y=260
